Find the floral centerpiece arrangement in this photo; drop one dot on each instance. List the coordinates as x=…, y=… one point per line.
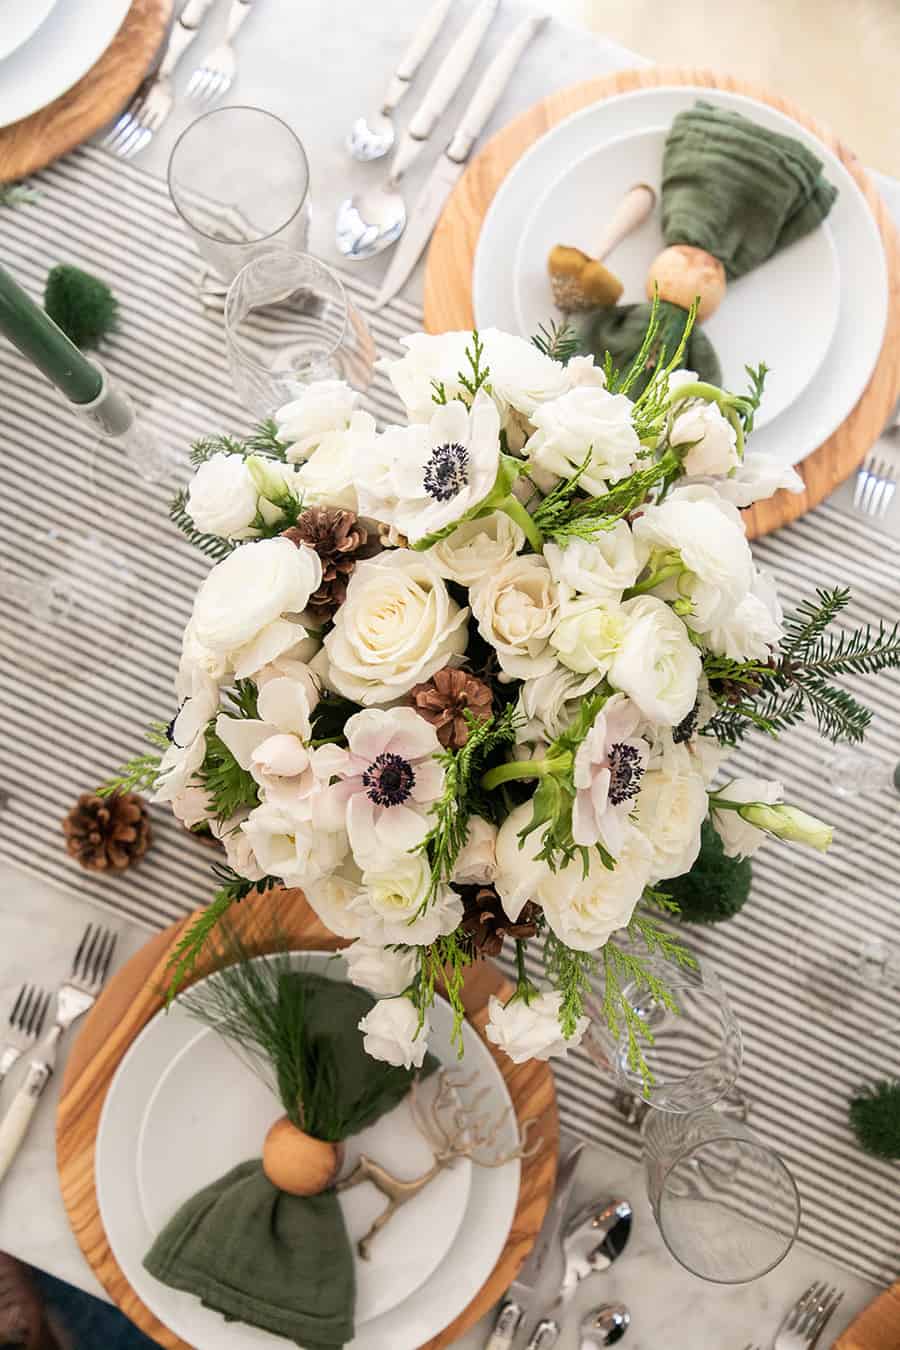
x=471, y=678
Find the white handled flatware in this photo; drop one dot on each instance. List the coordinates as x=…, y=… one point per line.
x=26, y=1022
x=449, y=168
x=371, y=137
x=215, y=75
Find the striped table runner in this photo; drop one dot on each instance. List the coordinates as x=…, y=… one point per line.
x=65, y=728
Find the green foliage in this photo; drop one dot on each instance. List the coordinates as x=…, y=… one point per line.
x=623, y=968
x=747, y=406
x=443, y=962
x=18, y=194
x=230, y=788
x=243, y=699
x=211, y=544
x=82, y=305
x=264, y=440
x=477, y=375
x=716, y=887
x=219, y=444
x=563, y=515
x=559, y=341
x=875, y=1118
x=651, y=406
x=139, y=774
x=232, y=889
x=570, y=973
x=329, y=717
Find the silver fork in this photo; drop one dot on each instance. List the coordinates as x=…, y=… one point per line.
x=79, y=993
x=214, y=77
x=153, y=101
x=26, y=1022
x=875, y=487
x=805, y=1321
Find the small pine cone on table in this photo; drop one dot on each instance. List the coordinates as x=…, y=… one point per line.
x=484, y=922
x=445, y=698
x=340, y=539
x=107, y=833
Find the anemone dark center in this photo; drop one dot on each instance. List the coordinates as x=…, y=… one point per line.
x=625, y=773
x=447, y=471
x=687, y=726
x=389, y=780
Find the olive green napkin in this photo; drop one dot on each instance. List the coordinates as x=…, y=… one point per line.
x=278, y=1261
x=735, y=189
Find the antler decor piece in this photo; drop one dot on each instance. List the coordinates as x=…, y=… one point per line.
x=452, y=1131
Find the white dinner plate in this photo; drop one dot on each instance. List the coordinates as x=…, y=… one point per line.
x=847, y=368
x=18, y=20
x=72, y=39
x=785, y=311
x=155, y=1149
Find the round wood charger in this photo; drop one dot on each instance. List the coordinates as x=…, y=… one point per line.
x=448, y=274
x=137, y=992
x=36, y=141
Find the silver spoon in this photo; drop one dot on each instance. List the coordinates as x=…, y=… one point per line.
x=604, y=1326
x=593, y=1238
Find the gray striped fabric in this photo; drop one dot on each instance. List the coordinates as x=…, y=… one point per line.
x=66, y=728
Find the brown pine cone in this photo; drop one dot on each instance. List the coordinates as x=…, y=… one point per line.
x=340, y=539
x=444, y=698
x=485, y=924
x=107, y=833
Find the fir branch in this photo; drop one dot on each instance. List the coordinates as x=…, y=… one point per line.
x=585, y=518
x=559, y=341
x=221, y=444
x=570, y=973
x=210, y=544
x=859, y=652
x=803, y=628
x=659, y=941
x=264, y=440
x=230, y=788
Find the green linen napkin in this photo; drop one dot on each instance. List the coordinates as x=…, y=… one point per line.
x=735, y=189
x=261, y=1256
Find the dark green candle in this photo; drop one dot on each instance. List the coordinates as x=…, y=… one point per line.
x=46, y=346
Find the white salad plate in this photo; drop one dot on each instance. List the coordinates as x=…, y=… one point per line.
x=785, y=311
x=184, y=1108
x=18, y=20
x=841, y=378
x=72, y=39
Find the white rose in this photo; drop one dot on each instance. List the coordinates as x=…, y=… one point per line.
x=756, y=477
x=392, y=1033
x=239, y=609
x=476, y=863
x=323, y=407
x=288, y=844
x=585, y=421
x=222, y=497
x=329, y=476
x=670, y=810
x=755, y=627
x=601, y=568
x=589, y=635
x=714, y=448
x=384, y=972
x=394, y=905
x=531, y=1030
x=516, y=609
x=585, y=911
x=519, y=871
x=694, y=525
x=430, y=474
x=332, y=897
x=549, y=704
x=657, y=665
x=396, y=628
x=477, y=547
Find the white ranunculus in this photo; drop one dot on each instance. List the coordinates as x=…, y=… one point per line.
x=323, y=407
x=394, y=905
x=548, y=705
x=396, y=628
x=601, y=568
x=656, y=664
x=429, y=358
x=755, y=807
x=187, y=740
x=240, y=611
x=519, y=871
x=516, y=609
x=755, y=627
x=586, y=420
x=477, y=547
x=290, y=846
x=757, y=477
x=432, y=473
x=695, y=525
x=272, y=747
x=238, y=849
x=391, y=1032
x=531, y=1030
x=585, y=911
x=222, y=497
x=707, y=430
x=589, y=635
x=476, y=863
x=332, y=897
x=329, y=476
x=523, y=378
x=607, y=772
x=193, y=806
x=382, y=786
x=385, y=972
x=670, y=810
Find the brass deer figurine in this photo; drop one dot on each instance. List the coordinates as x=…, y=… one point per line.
x=458, y=1136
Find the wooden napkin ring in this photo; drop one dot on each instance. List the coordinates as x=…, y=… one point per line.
x=682, y=272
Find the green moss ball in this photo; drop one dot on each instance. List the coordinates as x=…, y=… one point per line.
x=875, y=1118
x=83, y=305
x=716, y=887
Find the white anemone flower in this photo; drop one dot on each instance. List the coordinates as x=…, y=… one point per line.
x=609, y=766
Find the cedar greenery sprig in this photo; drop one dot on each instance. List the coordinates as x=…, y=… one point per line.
x=140, y=773
x=563, y=515
x=443, y=962
x=570, y=973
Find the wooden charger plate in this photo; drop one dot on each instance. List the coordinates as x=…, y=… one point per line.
x=36, y=141
x=135, y=994
x=448, y=274
x=877, y=1327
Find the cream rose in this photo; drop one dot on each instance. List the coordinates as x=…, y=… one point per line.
x=756, y=477
x=585, y=423
x=755, y=627
x=703, y=426
x=531, y=1030
x=476, y=548
x=670, y=810
x=288, y=845
x=589, y=635
x=476, y=863
x=656, y=664
x=516, y=609
x=396, y=628
x=585, y=911
x=332, y=897
x=519, y=871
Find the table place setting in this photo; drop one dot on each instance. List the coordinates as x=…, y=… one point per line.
x=450, y=788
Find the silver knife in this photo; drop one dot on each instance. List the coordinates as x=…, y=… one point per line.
x=515, y=1306
x=452, y=162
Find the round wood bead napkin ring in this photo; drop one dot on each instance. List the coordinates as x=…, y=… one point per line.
x=137, y=992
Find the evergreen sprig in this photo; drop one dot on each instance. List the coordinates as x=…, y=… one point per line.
x=18, y=194
x=206, y=447
x=140, y=773
x=232, y=889
x=211, y=544
x=443, y=962
x=264, y=440
x=229, y=787
x=478, y=374
x=570, y=517
x=559, y=341
x=623, y=969
x=570, y=973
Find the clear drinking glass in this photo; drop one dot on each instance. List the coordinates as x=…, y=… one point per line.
x=695, y=1054
x=239, y=179
x=288, y=322
x=726, y=1205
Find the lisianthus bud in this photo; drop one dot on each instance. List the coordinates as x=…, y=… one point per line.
x=788, y=822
